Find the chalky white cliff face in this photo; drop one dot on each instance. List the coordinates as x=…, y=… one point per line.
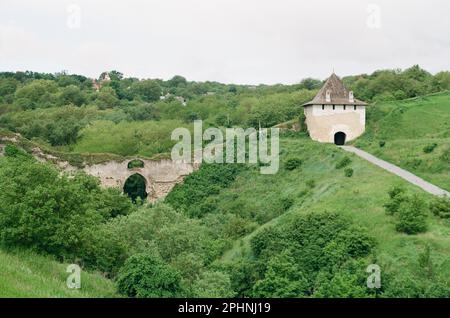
x=334, y=115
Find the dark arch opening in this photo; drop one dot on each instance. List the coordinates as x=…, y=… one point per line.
x=135, y=187
x=136, y=163
x=339, y=138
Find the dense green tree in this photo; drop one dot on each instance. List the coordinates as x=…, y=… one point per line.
x=283, y=278
x=177, y=81
x=441, y=81
x=213, y=285
x=38, y=93
x=147, y=90
x=146, y=275
x=106, y=98
x=72, y=94
x=47, y=211
x=441, y=207
x=8, y=86
x=412, y=216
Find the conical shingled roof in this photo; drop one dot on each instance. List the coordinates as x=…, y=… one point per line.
x=339, y=95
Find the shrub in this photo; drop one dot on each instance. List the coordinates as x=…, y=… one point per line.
x=13, y=151
x=311, y=183
x=349, y=281
x=343, y=162
x=355, y=241
x=348, y=172
x=136, y=163
x=382, y=143
x=414, y=163
x=395, y=191
x=50, y=212
x=213, y=285
x=206, y=181
x=146, y=275
x=290, y=256
x=429, y=148
x=292, y=163
x=441, y=207
x=283, y=278
x=396, y=196
x=286, y=203
x=411, y=216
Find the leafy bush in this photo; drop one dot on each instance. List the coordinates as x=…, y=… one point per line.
x=414, y=163
x=348, y=172
x=345, y=161
x=213, y=285
x=382, y=143
x=206, y=181
x=292, y=163
x=396, y=197
x=311, y=183
x=147, y=90
x=290, y=257
x=412, y=215
x=286, y=203
x=441, y=207
x=429, y=148
x=283, y=278
x=49, y=212
x=146, y=275
x=349, y=281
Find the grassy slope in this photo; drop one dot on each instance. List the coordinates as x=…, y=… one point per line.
x=407, y=127
x=26, y=274
x=361, y=197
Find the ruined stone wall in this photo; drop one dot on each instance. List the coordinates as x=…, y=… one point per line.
x=160, y=175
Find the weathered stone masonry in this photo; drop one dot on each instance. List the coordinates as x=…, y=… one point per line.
x=160, y=175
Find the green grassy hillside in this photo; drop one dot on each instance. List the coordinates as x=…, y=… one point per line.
x=259, y=202
x=26, y=274
x=414, y=134
x=319, y=186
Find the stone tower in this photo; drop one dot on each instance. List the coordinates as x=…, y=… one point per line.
x=335, y=115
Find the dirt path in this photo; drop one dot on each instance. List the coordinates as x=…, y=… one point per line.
x=408, y=176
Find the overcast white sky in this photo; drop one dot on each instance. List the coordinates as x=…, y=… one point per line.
x=231, y=41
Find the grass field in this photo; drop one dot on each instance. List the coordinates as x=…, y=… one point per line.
x=26, y=274
x=318, y=186
x=399, y=132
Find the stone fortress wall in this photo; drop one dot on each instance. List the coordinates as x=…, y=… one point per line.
x=160, y=175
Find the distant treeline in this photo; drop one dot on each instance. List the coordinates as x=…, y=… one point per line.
x=57, y=108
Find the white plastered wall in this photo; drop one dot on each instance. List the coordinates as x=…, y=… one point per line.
x=323, y=124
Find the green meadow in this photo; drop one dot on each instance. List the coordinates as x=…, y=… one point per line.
x=414, y=134
x=317, y=186
x=28, y=274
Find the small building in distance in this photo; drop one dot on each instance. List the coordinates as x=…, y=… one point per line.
x=335, y=115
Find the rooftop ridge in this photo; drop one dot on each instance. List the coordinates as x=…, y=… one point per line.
x=334, y=92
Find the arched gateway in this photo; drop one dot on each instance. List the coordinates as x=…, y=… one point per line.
x=159, y=176
x=339, y=138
